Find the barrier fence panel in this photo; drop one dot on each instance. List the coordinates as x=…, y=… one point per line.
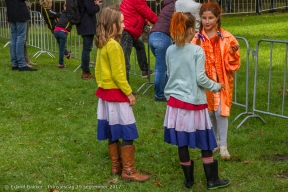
x=270, y=79
x=239, y=76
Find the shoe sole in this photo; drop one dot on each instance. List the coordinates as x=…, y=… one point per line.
x=218, y=186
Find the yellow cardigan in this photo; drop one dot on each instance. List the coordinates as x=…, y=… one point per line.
x=110, y=70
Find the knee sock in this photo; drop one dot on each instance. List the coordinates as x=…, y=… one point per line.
x=127, y=142
x=110, y=142
x=207, y=157
x=184, y=155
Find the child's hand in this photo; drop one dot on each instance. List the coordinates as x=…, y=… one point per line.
x=131, y=99
x=235, y=47
x=98, y=2
x=222, y=86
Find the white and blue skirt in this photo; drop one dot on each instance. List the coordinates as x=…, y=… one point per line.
x=189, y=127
x=115, y=121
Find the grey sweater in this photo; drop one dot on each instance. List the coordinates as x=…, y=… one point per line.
x=186, y=74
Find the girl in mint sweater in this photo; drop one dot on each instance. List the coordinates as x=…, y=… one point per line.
x=115, y=116
x=187, y=123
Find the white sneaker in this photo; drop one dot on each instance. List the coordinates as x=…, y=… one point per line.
x=224, y=154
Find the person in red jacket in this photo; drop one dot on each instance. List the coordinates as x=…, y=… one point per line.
x=136, y=14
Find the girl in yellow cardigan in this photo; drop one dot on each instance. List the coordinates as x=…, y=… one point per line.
x=222, y=60
x=115, y=116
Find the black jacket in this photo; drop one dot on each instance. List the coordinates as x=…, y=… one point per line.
x=63, y=21
x=17, y=11
x=88, y=11
x=51, y=18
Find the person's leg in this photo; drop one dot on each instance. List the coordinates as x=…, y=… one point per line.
x=127, y=44
x=222, y=125
x=21, y=36
x=62, y=44
x=211, y=171
x=57, y=37
x=87, y=48
x=214, y=124
x=187, y=166
x=159, y=42
x=13, y=39
x=129, y=172
x=115, y=156
x=26, y=56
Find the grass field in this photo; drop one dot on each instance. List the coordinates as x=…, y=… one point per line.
x=48, y=125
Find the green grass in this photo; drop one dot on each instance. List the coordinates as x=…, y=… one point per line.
x=48, y=125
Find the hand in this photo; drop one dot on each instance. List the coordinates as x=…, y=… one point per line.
x=97, y=2
x=235, y=47
x=131, y=99
x=28, y=5
x=222, y=86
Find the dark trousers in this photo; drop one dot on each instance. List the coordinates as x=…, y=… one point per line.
x=127, y=42
x=87, y=48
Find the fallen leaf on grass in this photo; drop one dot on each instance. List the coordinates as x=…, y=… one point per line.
x=246, y=162
x=157, y=183
x=112, y=180
x=64, y=116
x=35, y=175
x=59, y=109
x=52, y=190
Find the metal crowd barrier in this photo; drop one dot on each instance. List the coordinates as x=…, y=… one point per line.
x=247, y=50
x=276, y=85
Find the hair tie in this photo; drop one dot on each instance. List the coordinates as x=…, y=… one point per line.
x=201, y=36
x=220, y=35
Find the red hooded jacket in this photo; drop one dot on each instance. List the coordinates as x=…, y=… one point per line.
x=136, y=13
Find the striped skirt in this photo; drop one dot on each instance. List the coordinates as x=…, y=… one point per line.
x=189, y=127
x=115, y=120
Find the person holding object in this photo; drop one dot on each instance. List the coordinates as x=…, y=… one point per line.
x=187, y=123
x=114, y=112
x=87, y=29
x=136, y=14
x=18, y=15
x=222, y=60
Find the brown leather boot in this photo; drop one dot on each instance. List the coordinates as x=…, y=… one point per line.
x=114, y=152
x=129, y=172
x=87, y=76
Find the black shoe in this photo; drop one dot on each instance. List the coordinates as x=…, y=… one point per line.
x=26, y=68
x=14, y=68
x=160, y=100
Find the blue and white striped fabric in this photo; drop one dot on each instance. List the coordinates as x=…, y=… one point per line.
x=115, y=120
x=189, y=127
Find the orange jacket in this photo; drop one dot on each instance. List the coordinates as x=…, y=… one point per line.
x=230, y=62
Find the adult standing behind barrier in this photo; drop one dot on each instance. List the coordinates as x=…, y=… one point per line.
x=61, y=31
x=18, y=15
x=87, y=30
x=136, y=13
x=222, y=60
x=189, y=6
x=159, y=41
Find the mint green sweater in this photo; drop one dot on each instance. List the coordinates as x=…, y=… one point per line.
x=186, y=74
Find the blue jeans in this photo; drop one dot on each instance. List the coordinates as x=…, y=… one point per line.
x=159, y=42
x=61, y=38
x=87, y=48
x=17, y=41
x=127, y=42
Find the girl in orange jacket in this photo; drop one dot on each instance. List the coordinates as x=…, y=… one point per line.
x=222, y=60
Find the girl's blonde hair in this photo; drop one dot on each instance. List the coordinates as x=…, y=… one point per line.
x=180, y=23
x=44, y=3
x=108, y=26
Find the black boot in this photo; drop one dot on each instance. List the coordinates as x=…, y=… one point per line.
x=211, y=172
x=189, y=174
